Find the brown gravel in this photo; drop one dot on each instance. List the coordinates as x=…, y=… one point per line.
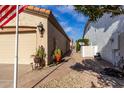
x=81, y=74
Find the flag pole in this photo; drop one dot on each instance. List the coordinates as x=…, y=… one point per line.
x=16, y=49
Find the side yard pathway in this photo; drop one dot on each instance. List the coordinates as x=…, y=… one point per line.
x=32, y=78
x=74, y=72
x=79, y=73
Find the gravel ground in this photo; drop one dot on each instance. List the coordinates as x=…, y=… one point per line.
x=75, y=79
x=83, y=74
x=72, y=80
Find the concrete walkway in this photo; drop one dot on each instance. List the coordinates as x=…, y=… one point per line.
x=6, y=74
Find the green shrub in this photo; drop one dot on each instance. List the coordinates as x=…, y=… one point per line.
x=41, y=52
x=85, y=41
x=77, y=46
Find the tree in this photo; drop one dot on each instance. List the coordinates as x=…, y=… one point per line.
x=82, y=40
x=86, y=41
x=94, y=12
x=77, y=46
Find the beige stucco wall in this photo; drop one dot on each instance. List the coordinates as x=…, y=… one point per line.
x=33, y=40
x=54, y=35
x=27, y=19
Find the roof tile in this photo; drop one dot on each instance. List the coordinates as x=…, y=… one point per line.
x=33, y=8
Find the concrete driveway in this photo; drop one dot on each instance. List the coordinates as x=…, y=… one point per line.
x=6, y=74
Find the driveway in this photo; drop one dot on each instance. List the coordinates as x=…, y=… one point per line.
x=6, y=74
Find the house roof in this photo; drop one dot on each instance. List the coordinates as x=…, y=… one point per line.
x=46, y=13
x=49, y=15
x=34, y=8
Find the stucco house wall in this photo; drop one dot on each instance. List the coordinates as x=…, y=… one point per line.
x=56, y=40
x=28, y=20
x=105, y=33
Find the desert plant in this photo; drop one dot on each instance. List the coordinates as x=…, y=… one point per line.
x=57, y=55
x=39, y=57
x=40, y=52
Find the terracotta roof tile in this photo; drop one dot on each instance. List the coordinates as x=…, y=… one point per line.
x=47, y=11
x=42, y=10
x=34, y=8
x=30, y=7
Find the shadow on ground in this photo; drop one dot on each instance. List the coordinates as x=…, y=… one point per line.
x=94, y=66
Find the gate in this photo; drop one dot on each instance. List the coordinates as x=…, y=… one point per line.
x=88, y=51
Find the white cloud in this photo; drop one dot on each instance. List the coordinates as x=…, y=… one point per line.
x=73, y=32
x=56, y=15
x=63, y=23
x=70, y=10
x=66, y=9
x=68, y=29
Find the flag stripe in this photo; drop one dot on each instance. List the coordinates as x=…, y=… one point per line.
x=11, y=17
x=3, y=9
x=6, y=14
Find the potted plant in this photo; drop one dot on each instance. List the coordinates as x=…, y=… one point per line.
x=39, y=57
x=57, y=55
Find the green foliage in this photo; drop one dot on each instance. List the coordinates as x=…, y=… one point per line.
x=77, y=46
x=41, y=52
x=85, y=41
x=57, y=51
x=95, y=12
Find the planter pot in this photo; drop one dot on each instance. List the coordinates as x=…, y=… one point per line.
x=58, y=58
x=39, y=62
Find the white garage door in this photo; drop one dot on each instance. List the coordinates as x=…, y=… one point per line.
x=27, y=47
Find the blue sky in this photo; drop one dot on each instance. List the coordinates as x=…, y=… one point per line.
x=72, y=22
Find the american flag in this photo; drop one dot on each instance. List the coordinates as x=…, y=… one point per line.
x=8, y=12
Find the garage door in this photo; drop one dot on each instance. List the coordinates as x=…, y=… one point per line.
x=27, y=47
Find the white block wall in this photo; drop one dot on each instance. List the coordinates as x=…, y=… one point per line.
x=88, y=51
x=101, y=32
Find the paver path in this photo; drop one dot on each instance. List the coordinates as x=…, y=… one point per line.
x=78, y=72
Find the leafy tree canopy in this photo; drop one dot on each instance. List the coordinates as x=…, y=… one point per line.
x=96, y=11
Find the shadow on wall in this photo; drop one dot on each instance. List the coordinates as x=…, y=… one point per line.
x=105, y=41
x=111, y=47
x=106, y=22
